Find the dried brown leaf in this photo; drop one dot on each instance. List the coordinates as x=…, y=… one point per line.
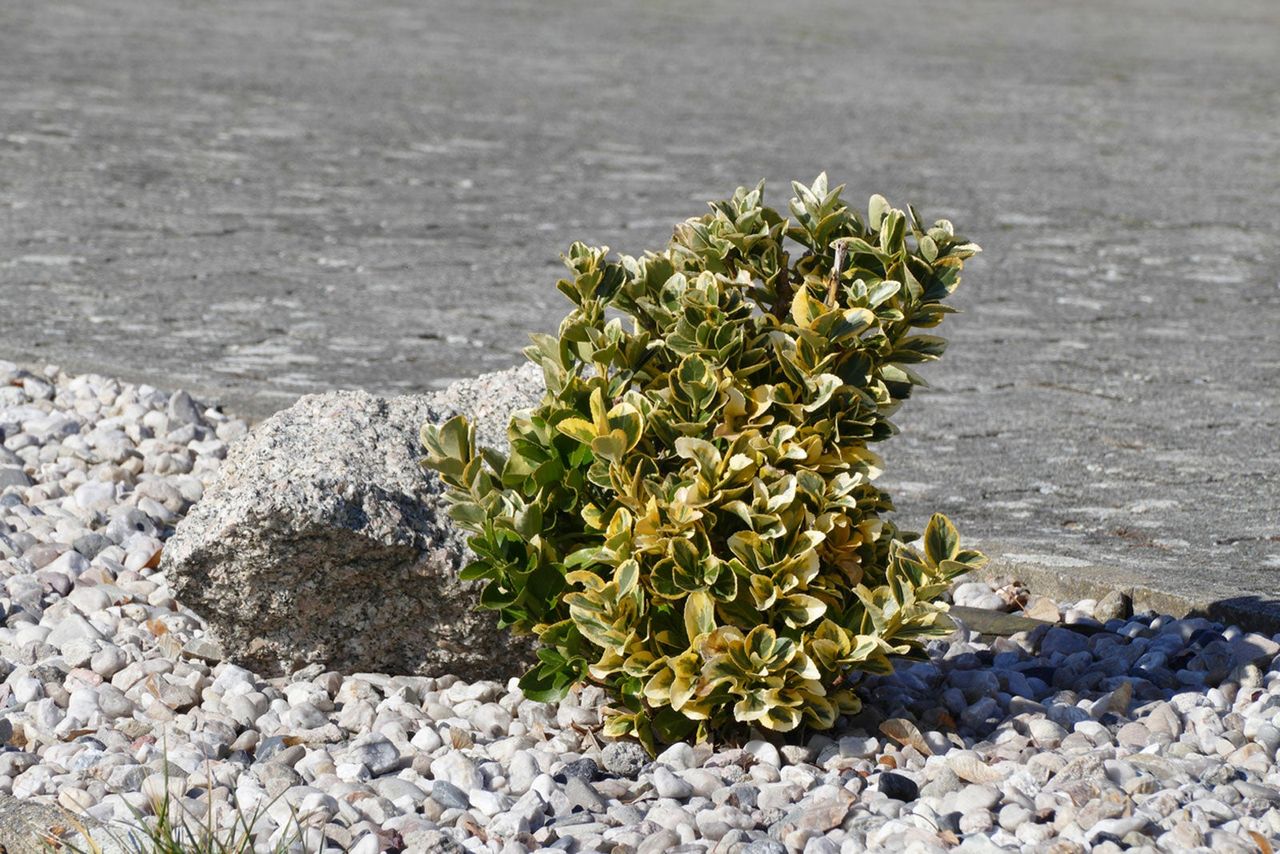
x=971, y=769
x=906, y=733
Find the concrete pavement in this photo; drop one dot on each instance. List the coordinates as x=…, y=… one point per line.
x=259, y=200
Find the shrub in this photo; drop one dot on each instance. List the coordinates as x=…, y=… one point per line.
x=689, y=518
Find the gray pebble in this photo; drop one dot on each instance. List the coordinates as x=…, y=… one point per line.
x=624, y=758
x=448, y=795
x=581, y=793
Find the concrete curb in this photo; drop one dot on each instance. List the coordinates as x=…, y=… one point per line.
x=1071, y=578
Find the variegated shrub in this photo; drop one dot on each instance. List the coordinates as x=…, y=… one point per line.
x=689, y=516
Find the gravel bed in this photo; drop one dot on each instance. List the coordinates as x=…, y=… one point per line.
x=1120, y=732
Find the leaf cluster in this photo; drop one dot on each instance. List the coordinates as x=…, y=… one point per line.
x=689, y=517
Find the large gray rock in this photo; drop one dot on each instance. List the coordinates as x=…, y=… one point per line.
x=323, y=541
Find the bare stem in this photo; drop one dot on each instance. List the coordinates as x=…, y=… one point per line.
x=836, y=267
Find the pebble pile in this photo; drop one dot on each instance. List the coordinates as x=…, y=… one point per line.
x=1119, y=732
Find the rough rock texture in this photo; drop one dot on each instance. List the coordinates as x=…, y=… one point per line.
x=489, y=399
x=30, y=827
x=324, y=542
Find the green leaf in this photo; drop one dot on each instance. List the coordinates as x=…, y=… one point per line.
x=854, y=321
x=454, y=439
x=578, y=428
x=941, y=540
x=546, y=582
x=627, y=577
x=475, y=571
x=700, y=451
x=804, y=309
x=610, y=446
x=892, y=230
x=545, y=683
x=881, y=291
x=819, y=712
x=780, y=719
x=699, y=615
x=877, y=207
x=800, y=609
x=928, y=249
x=671, y=726
x=468, y=515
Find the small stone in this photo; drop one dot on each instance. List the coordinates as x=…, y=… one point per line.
x=898, y=787
x=522, y=771
x=183, y=409
x=944, y=783
x=679, y=756
x=95, y=495
x=1268, y=735
x=113, y=702
x=203, y=649
x=13, y=476
x=491, y=720
x=976, y=797
x=796, y=754
x=976, y=684
x=861, y=747
x=624, y=758
x=1060, y=641
x=1114, y=606
x=743, y=796
x=1042, y=608
x=458, y=770
x=70, y=628
x=827, y=813
x=1012, y=816
x=1133, y=735
x=716, y=824
x=580, y=793
x=664, y=840
x=764, y=752
x=89, y=600
x=977, y=715
x=764, y=846
x=128, y=522
x=378, y=755
x=1118, y=827
x=1254, y=648
x=268, y=747
x=668, y=785
x=1046, y=734
x=488, y=803
x=448, y=795
x=277, y=778
x=977, y=594
x=90, y=545
x=976, y=821
x=584, y=769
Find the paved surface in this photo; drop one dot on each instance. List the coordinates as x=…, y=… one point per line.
x=255, y=201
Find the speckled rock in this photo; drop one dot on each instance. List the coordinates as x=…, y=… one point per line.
x=26, y=827
x=324, y=542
